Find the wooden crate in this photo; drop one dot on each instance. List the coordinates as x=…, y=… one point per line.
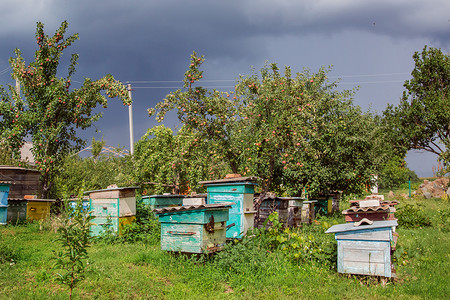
x=365, y=249
x=242, y=213
x=194, y=229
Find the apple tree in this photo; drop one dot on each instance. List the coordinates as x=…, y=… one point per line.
x=303, y=133
x=210, y=115
x=48, y=111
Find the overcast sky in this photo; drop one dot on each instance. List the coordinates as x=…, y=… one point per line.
x=370, y=44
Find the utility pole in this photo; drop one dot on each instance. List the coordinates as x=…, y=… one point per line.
x=130, y=118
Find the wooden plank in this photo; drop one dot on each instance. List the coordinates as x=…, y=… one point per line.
x=181, y=237
x=195, y=216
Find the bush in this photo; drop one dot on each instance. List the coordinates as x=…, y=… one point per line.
x=412, y=216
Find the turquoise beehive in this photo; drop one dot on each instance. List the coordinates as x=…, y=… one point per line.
x=4, y=191
x=240, y=191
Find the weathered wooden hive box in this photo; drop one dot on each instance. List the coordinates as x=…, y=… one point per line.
x=158, y=201
x=240, y=191
x=4, y=191
x=193, y=229
x=24, y=181
x=28, y=209
x=365, y=249
x=287, y=208
x=112, y=209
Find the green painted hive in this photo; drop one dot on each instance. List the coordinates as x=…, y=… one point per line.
x=193, y=229
x=240, y=191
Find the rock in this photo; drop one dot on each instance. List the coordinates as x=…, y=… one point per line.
x=391, y=194
x=405, y=196
x=427, y=195
x=424, y=189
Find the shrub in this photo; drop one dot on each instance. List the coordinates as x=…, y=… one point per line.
x=412, y=216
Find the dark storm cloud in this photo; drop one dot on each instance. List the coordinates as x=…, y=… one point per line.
x=145, y=40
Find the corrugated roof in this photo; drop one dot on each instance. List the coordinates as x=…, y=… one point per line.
x=370, y=209
x=352, y=227
x=192, y=207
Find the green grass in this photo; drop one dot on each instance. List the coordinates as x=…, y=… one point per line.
x=142, y=271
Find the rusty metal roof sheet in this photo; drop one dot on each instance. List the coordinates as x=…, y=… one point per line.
x=370, y=209
x=192, y=207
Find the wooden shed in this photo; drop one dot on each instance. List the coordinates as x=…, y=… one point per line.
x=194, y=229
x=365, y=249
x=23, y=181
x=112, y=208
x=240, y=191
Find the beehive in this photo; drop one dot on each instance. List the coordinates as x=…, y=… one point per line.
x=21, y=210
x=365, y=249
x=4, y=191
x=112, y=208
x=193, y=229
x=240, y=191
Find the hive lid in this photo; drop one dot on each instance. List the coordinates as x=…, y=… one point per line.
x=163, y=196
x=351, y=227
x=114, y=189
x=193, y=207
x=249, y=180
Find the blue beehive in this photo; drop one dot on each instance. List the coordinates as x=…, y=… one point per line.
x=193, y=229
x=240, y=191
x=4, y=191
x=365, y=249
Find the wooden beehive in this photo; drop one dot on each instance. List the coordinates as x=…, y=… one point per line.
x=365, y=249
x=193, y=229
x=112, y=208
x=4, y=191
x=26, y=209
x=240, y=191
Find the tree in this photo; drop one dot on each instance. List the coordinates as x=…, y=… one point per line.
x=49, y=111
x=292, y=132
x=174, y=162
x=422, y=118
x=210, y=115
x=302, y=133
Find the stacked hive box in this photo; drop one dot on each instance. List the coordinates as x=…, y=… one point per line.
x=240, y=191
x=112, y=209
x=158, y=201
x=193, y=229
x=4, y=190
